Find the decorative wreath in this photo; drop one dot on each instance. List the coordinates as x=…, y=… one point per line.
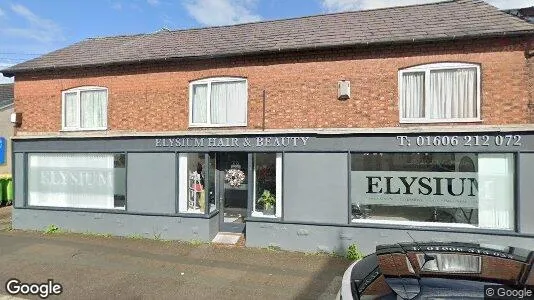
x=234, y=177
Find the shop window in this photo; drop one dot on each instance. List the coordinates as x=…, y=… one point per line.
x=218, y=101
x=442, y=92
x=452, y=189
x=193, y=190
x=85, y=108
x=77, y=180
x=267, y=185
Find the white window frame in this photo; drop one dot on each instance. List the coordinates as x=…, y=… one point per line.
x=208, y=82
x=278, y=211
x=79, y=115
x=427, y=68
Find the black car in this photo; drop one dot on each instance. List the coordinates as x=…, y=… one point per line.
x=438, y=271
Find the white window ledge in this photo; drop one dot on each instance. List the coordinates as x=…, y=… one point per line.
x=259, y=214
x=421, y=224
x=421, y=121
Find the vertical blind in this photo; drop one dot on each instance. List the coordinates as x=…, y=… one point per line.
x=227, y=103
x=93, y=108
x=85, y=109
x=448, y=94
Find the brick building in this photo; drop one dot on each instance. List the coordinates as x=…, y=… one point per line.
x=309, y=133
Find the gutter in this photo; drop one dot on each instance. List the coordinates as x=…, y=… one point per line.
x=10, y=72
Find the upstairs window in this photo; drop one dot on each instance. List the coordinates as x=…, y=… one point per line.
x=442, y=92
x=85, y=108
x=218, y=101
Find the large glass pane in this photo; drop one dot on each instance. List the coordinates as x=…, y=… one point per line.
x=413, y=95
x=453, y=94
x=199, y=103
x=236, y=186
x=265, y=184
x=212, y=183
x=228, y=102
x=81, y=180
x=468, y=189
x=71, y=110
x=93, y=105
x=192, y=183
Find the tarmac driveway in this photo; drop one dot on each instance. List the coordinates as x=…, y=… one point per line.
x=94, y=267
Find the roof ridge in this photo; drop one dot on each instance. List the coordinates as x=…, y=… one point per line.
x=437, y=2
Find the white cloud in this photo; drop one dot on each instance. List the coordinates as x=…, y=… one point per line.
x=222, y=12
x=153, y=2
x=2, y=13
x=348, y=5
x=39, y=29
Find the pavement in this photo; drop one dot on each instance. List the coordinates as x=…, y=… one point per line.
x=100, y=267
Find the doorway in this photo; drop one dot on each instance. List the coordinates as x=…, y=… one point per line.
x=233, y=190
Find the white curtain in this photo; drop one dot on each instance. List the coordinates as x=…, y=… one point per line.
x=71, y=180
x=413, y=95
x=93, y=108
x=71, y=110
x=228, y=102
x=453, y=94
x=200, y=102
x=496, y=190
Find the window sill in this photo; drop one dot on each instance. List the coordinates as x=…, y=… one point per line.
x=430, y=121
x=423, y=224
x=83, y=129
x=215, y=125
x=259, y=214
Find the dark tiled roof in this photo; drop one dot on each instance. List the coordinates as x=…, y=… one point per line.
x=6, y=94
x=437, y=21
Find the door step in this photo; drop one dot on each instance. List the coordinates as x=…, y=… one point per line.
x=227, y=238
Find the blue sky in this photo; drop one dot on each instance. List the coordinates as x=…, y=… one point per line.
x=29, y=28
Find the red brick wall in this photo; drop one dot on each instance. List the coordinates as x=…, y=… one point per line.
x=301, y=87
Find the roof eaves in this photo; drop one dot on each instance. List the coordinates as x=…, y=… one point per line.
x=9, y=72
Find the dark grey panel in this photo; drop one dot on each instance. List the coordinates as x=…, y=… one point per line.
x=152, y=227
x=428, y=142
x=214, y=226
x=526, y=193
x=312, y=238
x=19, y=180
x=151, y=182
x=315, y=187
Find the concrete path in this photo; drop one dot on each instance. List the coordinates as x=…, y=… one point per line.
x=93, y=267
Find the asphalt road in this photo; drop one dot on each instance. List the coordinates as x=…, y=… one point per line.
x=93, y=267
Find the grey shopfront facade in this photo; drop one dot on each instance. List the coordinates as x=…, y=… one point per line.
x=321, y=183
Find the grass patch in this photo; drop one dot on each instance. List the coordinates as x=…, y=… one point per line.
x=354, y=253
x=51, y=229
x=195, y=242
x=136, y=236
x=105, y=235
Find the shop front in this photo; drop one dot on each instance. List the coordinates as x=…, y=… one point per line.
x=309, y=192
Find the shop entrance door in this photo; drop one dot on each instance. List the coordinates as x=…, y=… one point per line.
x=233, y=190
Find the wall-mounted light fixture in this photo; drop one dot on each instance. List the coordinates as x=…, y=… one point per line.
x=16, y=118
x=343, y=90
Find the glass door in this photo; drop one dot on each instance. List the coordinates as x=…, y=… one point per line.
x=233, y=191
